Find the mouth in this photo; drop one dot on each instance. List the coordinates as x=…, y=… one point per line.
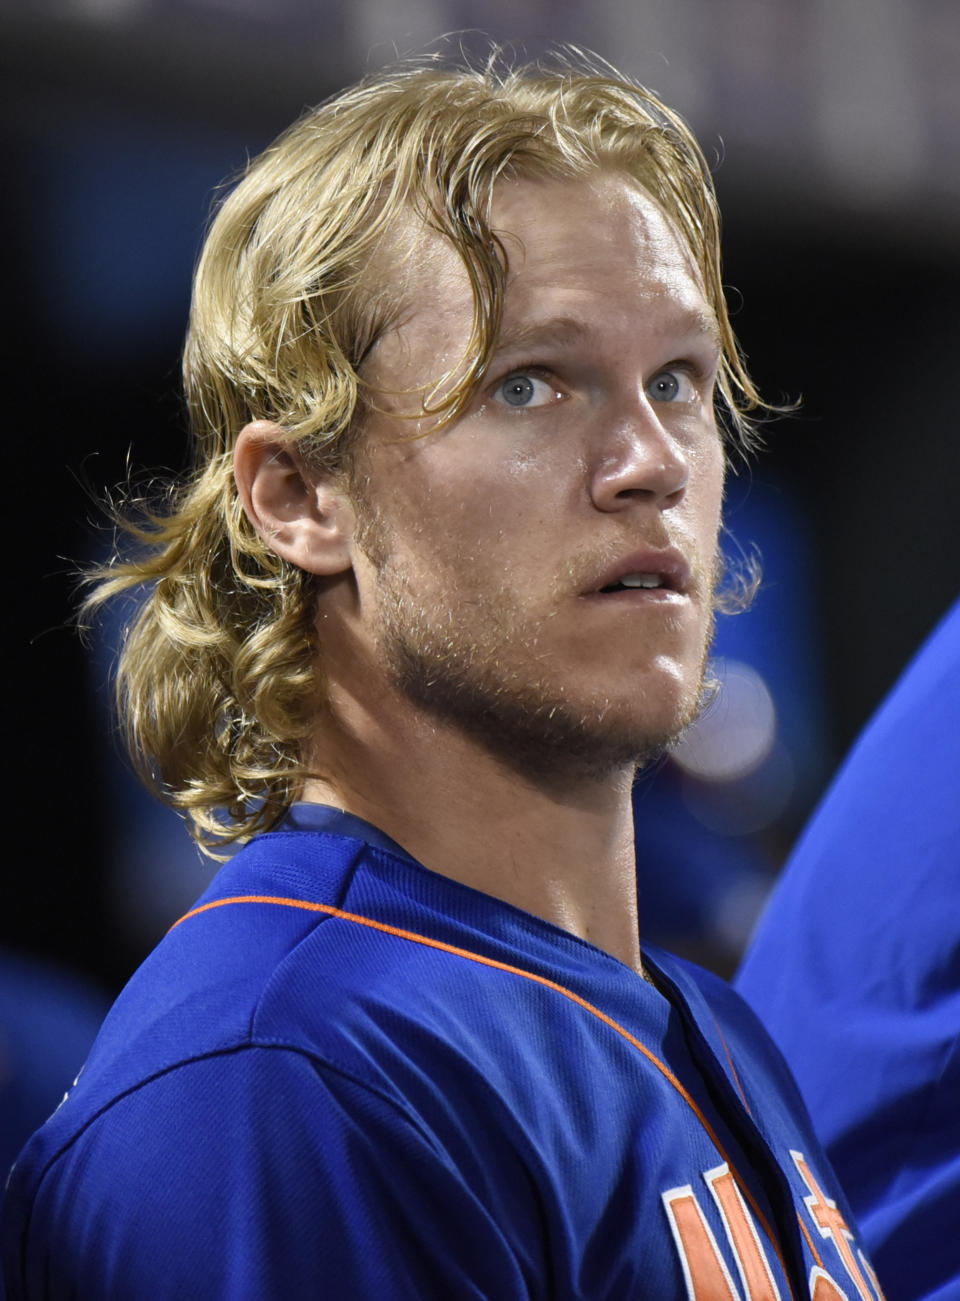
x=631, y=581
x=661, y=573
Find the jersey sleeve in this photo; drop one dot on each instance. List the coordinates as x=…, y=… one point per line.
x=258, y=1173
x=855, y=970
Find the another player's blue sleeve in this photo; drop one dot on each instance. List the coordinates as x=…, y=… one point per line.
x=256, y=1174
x=855, y=969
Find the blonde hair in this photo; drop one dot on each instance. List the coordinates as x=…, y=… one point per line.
x=219, y=679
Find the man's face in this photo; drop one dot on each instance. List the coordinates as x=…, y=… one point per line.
x=539, y=573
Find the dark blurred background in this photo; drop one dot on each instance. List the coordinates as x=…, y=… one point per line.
x=835, y=127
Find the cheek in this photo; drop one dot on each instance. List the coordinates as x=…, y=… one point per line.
x=485, y=500
x=707, y=481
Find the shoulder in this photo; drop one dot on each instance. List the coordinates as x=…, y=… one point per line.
x=315, y=1075
x=300, y=944
x=257, y=1109
x=259, y=1170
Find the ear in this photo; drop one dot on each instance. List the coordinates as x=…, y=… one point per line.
x=304, y=517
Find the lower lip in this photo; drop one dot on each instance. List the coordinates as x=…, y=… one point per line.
x=639, y=596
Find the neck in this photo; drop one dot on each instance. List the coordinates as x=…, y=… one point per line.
x=560, y=849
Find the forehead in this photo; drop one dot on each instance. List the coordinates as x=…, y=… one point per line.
x=573, y=244
x=593, y=256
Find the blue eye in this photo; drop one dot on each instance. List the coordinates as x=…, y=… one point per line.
x=524, y=390
x=664, y=387
x=518, y=390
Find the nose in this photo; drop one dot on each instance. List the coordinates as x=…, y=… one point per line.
x=640, y=459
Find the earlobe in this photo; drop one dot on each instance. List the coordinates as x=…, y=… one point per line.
x=305, y=517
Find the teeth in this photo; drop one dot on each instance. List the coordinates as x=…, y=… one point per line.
x=641, y=580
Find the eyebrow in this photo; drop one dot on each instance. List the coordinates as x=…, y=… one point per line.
x=559, y=331
x=702, y=323
x=564, y=331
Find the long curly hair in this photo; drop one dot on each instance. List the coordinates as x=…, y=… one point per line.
x=219, y=680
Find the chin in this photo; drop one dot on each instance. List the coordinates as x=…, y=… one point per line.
x=553, y=727
x=542, y=732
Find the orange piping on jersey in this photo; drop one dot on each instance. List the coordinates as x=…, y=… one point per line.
x=814, y=1253
x=806, y=1233
x=329, y=910
x=733, y=1069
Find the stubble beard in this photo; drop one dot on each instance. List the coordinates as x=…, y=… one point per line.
x=466, y=663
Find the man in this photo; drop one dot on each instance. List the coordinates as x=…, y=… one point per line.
x=444, y=576
x=859, y=951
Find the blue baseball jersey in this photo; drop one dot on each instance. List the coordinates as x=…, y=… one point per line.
x=343, y=1075
x=855, y=969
